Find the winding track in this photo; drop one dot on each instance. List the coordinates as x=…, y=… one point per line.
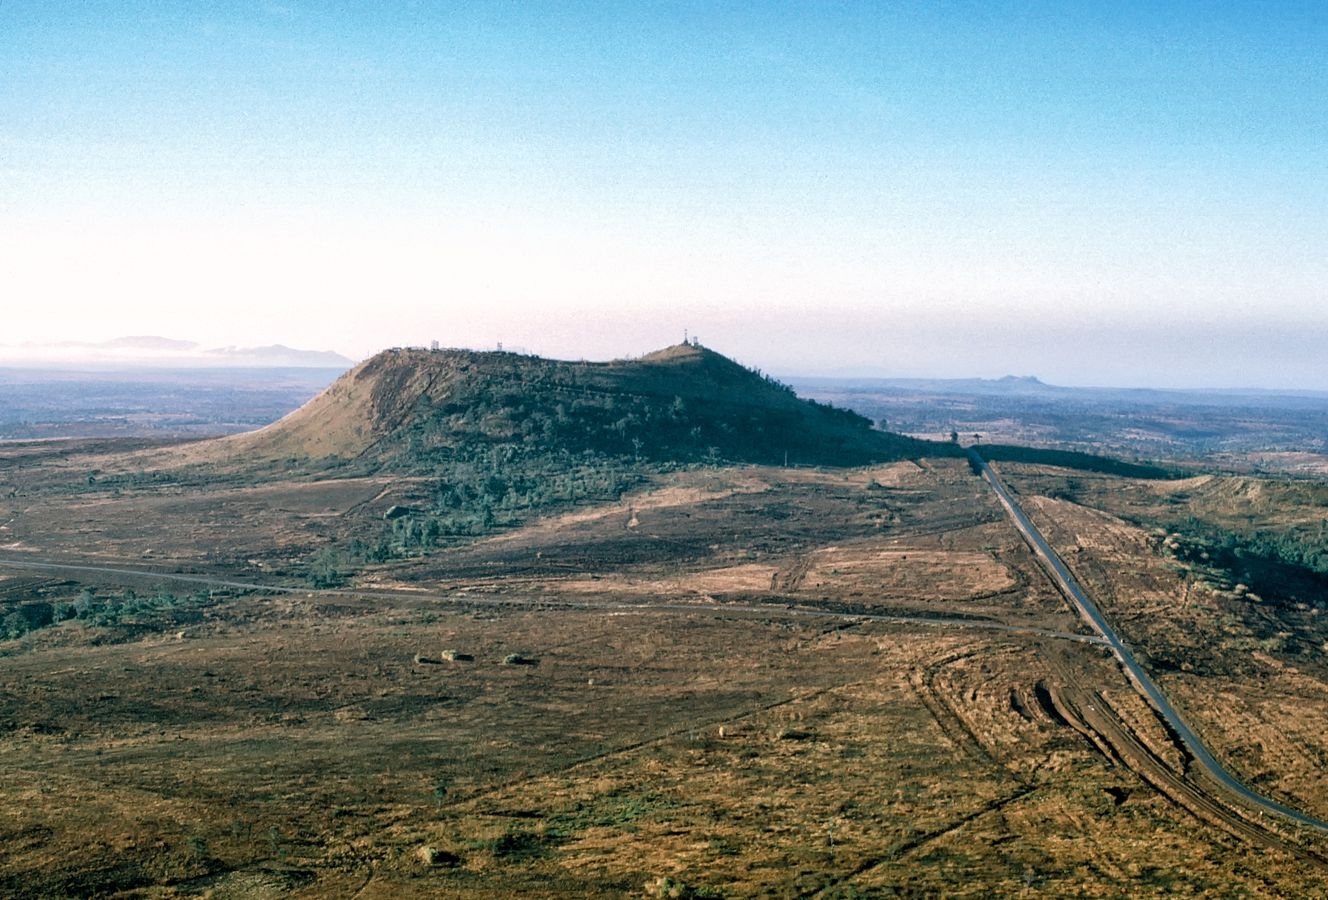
x=1141, y=679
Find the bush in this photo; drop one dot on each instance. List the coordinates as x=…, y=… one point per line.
x=668, y=888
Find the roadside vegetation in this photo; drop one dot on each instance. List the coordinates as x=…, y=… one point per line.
x=1074, y=459
x=118, y=614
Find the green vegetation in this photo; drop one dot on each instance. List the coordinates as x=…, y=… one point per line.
x=474, y=491
x=112, y=610
x=1304, y=546
x=1286, y=566
x=1072, y=459
x=477, y=489
x=519, y=844
x=27, y=617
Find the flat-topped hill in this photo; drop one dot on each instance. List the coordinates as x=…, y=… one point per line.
x=681, y=404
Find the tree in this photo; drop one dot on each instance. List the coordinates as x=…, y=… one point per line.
x=325, y=569
x=85, y=603
x=14, y=625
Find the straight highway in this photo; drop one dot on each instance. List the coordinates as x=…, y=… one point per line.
x=1144, y=683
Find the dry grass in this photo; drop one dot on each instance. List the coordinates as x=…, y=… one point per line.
x=683, y=722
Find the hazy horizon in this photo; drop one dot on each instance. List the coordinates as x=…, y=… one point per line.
x=129, y=354
x=1124, y=196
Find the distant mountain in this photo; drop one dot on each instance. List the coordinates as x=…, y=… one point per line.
x=278, y=355
x=1007, y=385
x=1029, y=387
x=406, y=409
x=147, y=350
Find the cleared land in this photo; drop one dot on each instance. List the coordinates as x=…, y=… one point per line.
x=695, y=689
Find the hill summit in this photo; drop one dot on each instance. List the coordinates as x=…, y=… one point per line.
x=405, y=408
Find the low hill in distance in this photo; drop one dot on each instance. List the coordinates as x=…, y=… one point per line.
x=153, y=351
x=1242, y=431
x=408, y=409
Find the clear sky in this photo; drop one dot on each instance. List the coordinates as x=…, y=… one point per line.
x=1094, y=193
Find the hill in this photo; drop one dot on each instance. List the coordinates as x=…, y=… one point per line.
x=405, y=409
x=140, y=351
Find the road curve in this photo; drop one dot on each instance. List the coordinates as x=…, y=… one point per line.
x=1142, y=681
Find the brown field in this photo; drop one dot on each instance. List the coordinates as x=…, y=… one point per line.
x=732, y=682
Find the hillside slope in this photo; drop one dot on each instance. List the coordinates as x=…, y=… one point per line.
x=403, y=408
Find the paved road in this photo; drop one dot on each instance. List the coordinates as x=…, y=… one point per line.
x=1142, y=681
x=40, y=565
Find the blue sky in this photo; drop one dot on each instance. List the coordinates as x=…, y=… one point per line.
x=1093, y=193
